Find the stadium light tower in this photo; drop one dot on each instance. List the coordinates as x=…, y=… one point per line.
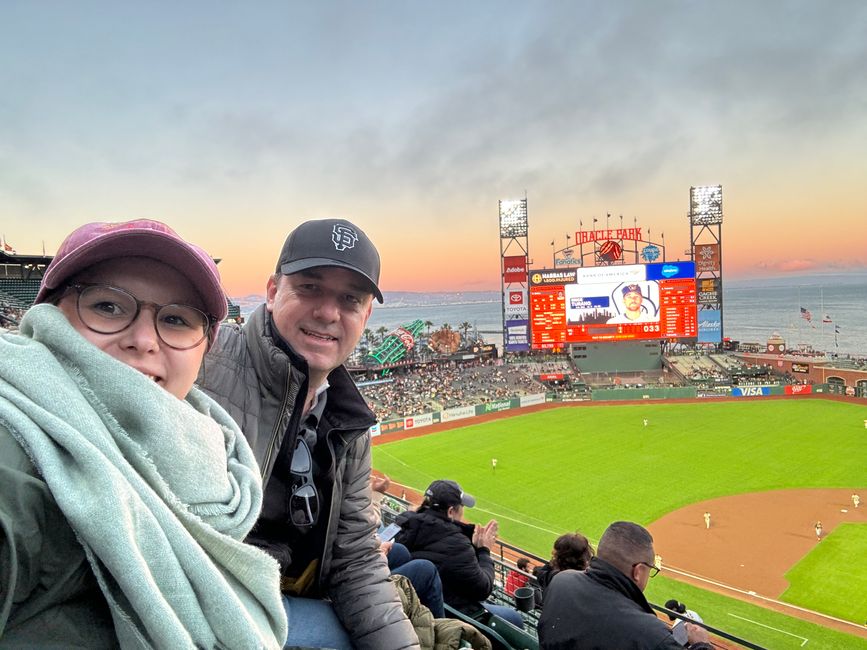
x=705, y=229
x=513, y=279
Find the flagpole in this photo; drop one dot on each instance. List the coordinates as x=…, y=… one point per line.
x=801, y=313
x=822, y=311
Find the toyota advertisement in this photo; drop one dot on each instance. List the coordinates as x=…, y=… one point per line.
x=612, y=303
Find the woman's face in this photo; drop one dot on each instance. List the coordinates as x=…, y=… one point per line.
x=138, y=346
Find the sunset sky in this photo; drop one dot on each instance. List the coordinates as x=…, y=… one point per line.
x=233, y=122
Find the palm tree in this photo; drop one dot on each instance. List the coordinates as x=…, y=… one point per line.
x=382, y=330
x=465, y=327
x=428, y=324
x=368, y=336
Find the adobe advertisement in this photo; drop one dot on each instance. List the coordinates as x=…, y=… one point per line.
x=613, y=303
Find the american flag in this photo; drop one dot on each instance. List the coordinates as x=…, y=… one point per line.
x=806, y=315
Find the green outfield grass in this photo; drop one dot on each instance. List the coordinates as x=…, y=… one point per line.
x=582, y=468
x=826, y=575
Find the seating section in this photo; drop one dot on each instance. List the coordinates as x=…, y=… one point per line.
x=22, y=291
x=442, y=386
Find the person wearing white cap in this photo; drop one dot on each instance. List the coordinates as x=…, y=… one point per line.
x=126, y=493
x=461, y=551
x=282, y=378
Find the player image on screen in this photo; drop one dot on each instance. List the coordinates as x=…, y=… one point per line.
x=637, y=304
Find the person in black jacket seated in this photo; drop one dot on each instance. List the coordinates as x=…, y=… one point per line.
x=571, y=551
x=461, y=551
x=604, y=606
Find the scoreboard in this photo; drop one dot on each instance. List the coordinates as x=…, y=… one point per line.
x=612, y=303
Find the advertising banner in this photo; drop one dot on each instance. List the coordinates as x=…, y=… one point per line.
x=516, y=337
x=530, y=400
x=458, y=413
x=515, y=303
x=799, y=389
x=515, y=269
x=707, y=258
x=551, y=376
x=547, y=277
x=416, y=421
x=709, y=326
x=496, y=407
x=708, y=291
x=750, y=391
x=374, y=430
x=391, y=426
x=801, y=367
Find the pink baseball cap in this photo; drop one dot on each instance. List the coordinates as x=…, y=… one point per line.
x=100, y=241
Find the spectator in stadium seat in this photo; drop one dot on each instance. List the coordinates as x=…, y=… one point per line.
x=604, y=606
x=126, y=493
x=517, y=579
x=571, y=551
x=461, y=551
x=422, y=574
x=282, y=378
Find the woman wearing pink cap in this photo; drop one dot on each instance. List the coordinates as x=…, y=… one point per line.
x=126, y=493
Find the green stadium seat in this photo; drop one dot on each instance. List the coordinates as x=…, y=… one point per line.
x=502, y=634
x=514, y=636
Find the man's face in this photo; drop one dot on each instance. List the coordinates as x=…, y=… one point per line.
x=321, y=313
x=632, y=301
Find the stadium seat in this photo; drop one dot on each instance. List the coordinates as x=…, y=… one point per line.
x=514, y=636
x=502, y=634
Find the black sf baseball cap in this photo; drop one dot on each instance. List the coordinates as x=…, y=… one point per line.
x=448, y=493
x=331, y=242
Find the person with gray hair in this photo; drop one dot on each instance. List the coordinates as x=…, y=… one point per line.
x=604, y=606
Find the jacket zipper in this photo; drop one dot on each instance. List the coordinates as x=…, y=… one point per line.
x=267, y=459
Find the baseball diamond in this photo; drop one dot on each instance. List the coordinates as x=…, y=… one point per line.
x=767, y=470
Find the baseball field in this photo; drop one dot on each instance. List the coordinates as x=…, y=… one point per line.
x=766, y=470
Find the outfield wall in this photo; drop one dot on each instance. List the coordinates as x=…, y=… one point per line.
x=421, y=420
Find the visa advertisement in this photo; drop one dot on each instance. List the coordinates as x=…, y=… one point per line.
x=613, y=303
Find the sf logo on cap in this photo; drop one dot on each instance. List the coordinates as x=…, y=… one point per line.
x=343, y=237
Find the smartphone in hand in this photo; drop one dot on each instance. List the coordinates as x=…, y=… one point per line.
x=389, y=532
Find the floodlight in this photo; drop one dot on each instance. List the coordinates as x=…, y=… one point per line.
x=513, y=218
x=705, y=205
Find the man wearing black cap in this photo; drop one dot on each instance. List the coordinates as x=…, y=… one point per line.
x=634, y=311
x=282, y=379
x=461, y=551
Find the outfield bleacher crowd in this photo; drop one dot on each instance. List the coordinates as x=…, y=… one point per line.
x=435, y=387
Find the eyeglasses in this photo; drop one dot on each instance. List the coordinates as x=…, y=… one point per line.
x=108, y=310
x=654, y=570
x=304, y=498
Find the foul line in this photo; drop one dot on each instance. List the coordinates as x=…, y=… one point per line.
x=753, y=594
x=775, y=629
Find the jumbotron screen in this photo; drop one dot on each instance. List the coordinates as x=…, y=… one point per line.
x=612, y=303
